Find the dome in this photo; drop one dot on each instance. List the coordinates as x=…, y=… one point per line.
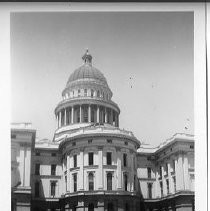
x=87, y=71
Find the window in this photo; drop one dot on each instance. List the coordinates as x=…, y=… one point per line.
x=109, y=158
x=167, y=169
x=36, y=189
x=13, y=136
x=91, y=181
x=90, y=158
x=124, y=160
x=149, y=186
x=191, y=147
x=126, y=143
x=75, y=161
x=91, y=207
x=160, y=171
x=53, y=185
x=109, y=181
x=167, y=185
x=173, y=165
x=73, y=143
x=37, y=153
x=90, y=141
x=134, y=183
x=53, y=169
x=98, y=93
x=125, y=177
x=53, y=154
x=92, y=115
x=149, y=172
x=66, y=182
x=109, y=141
x=78, y=92
x=75, y=182
x=85, y=92
x=92, y=92
x=161, y=188
x=37, y=169
x=127, y=207
x=174, y=181
x=110, y=207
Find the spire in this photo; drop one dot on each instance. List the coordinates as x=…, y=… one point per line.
x=87, y=57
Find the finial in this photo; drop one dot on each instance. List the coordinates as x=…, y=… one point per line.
x=87, y=57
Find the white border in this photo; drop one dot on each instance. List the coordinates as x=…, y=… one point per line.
x=199, y=80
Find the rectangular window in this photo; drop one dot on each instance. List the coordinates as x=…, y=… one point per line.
x=149, y=172
x=167, y=185
x=92, y=92
x=109, y=158
x=149, y=186
x=124, y=160
x=37, y=153
x=174, y=181
x=53, y=185
x=161, y=188
x=173, y=165
x=75, y=182
x=90, y=158
x=53, y=169
x=66, y=182
x=85, y=92
x=166, y=168
x=134, y=183
x=109, y=141
x=90, y=141
x=53, y=154
x=75, y=161
x=37, y=169
x=78, y=92
x=37, y=189
x=160, y=171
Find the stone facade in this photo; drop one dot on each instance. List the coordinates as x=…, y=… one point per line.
x=92, y=164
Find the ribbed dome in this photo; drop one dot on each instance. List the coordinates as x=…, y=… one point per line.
x=87, y=71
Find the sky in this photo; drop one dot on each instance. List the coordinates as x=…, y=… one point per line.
x=146, y=57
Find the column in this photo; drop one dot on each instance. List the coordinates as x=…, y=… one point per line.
x=80, y=113
x=68, y=172
x=100, y=172
x=60, y=118
x=179, y=173
x=97, y=114
x=81, y=163
x=106, y=113
x=132, y=173
x=72, y=114
x=89, y=113
x=119, y=169
x=64, y=116
x=185, y=172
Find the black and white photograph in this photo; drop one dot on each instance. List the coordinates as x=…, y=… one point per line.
x=103, y=109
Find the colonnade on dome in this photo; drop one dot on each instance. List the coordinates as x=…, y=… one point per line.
x=87, y=113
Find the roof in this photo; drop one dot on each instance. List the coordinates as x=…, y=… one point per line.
x=146, y=148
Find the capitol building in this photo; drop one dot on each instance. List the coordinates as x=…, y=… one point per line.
x=92, y=164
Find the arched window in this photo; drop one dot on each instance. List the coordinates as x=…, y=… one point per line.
x=110, y=207
x=98, y=93
x=92, y=92
x=91, y=207
x=109, y=181
x=125, y=177
x=90, y=181
x=85, y=92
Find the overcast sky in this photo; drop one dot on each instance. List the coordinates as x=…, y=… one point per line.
x=146, y=57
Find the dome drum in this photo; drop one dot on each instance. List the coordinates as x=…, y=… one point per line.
x=87, y=113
